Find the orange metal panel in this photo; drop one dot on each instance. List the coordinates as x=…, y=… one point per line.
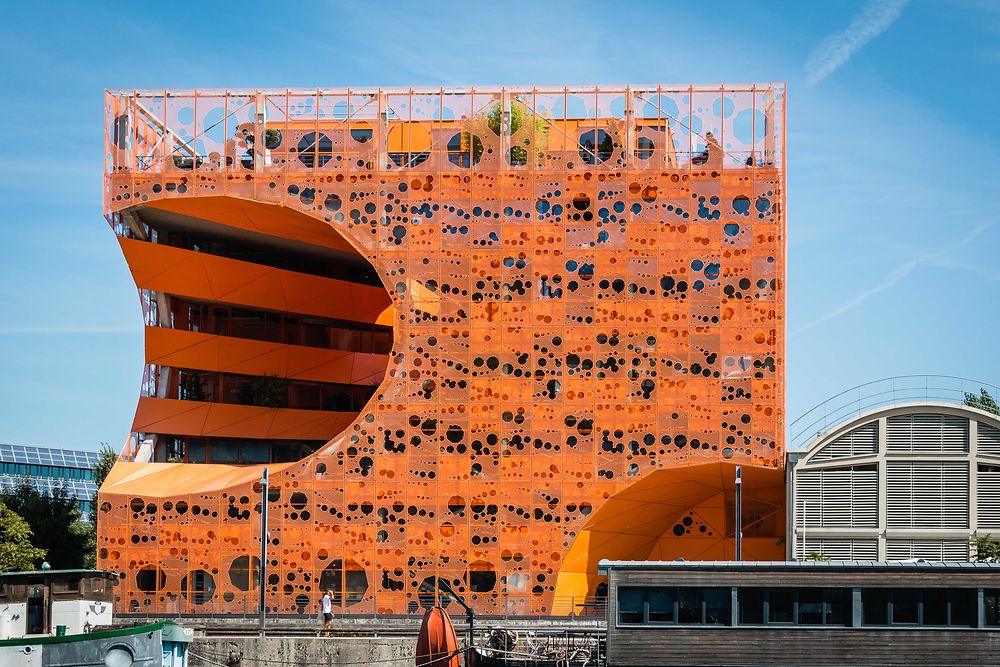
x=256, y=217
x=588, y=317
x=200, y=276
x=166, y=415
x=200, y=351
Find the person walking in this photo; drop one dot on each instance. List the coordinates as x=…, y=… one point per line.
x=326, y=605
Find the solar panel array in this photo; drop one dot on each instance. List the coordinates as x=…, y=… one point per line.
x=49, y=456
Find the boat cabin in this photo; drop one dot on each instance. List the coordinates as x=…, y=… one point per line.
x=47, y=602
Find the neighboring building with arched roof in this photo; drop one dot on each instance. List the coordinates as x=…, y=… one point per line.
x=918, y=479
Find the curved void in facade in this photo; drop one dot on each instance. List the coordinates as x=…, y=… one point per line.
x=471, y=332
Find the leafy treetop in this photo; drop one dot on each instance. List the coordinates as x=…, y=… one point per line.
x=16, y=550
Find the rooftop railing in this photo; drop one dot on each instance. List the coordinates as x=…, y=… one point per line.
x=602, y=128
x=887, y=392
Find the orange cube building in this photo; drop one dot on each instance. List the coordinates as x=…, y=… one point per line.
x=484, y=336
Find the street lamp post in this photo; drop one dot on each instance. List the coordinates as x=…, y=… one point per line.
x=262, y=570
x=739, y=513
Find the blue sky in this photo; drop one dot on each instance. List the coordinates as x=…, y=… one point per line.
x=893, y=145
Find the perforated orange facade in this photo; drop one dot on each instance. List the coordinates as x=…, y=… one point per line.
x=585, y=289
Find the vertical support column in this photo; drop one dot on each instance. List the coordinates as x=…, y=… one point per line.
x=792, y=528
x=973, y=480
x=381, y=130
x=506, y=127
x=857, y=608
x=739, y=513
x=628, y=151
x=769, y=136
x=881, y=490
x=262, y=583
x=734, y=618
x=259, y=125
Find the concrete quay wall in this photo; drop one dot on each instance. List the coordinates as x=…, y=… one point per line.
x=209, y=651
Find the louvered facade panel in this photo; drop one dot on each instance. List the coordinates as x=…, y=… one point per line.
x=927, y=494
x=989, y=440
x=988, y=484
x=837, y=498
x=932, y=550
x=839, y=548
x=927, y=434
x=858, y=442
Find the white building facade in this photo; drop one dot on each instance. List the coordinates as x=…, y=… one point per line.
x=918, y=480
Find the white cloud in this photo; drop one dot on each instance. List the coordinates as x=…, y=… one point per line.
x=875, y=18
x=896, y=275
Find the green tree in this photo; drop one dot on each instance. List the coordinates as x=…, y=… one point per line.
x=518, y=112
x=106, y=458
x=16, y=550
x=984, y=401
x=987, y=549
x=269, y=391
x=55, y=521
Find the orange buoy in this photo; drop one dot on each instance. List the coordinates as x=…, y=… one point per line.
x=437, y=645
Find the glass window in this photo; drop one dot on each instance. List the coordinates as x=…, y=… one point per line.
x=965, y=607
x=751, y=602
x=630, y=605
x=904, y=607
x=223, y=452
x=689, y=603
x=255, y=453
x=315, y=333
x=220, y=321
x=236, y=389
x=780, y=605
x=992, y=598
x=661, y=605
x=935, y=606
x=346, y=339
x=305, y=396
x=718, y=606
x=290, y=326
x=875, y=602
x=811, y=606
x=839, y=606
x=248, y=324
x=196, y=450
x=383, y=341
x=65, y=586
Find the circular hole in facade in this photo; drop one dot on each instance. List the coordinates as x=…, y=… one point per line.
x=314, y=149
x=347, y=580
x=482, y=577
x=198, y=586
x=464, y=149
x=596, y=146
x=150, y=579
x=243, y=574
x=433, y=591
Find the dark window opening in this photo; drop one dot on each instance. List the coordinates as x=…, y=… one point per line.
x=267, y=391
x=188, y=315
x=344, y=266
x=669, y=605
x=240, y=451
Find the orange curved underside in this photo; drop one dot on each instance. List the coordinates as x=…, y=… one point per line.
x=676, y=513
x=584, y=344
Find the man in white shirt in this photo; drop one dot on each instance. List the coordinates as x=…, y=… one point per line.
x=327, y=607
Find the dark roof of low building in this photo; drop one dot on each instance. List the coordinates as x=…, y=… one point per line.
x=83, y=572
x=680, y=565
